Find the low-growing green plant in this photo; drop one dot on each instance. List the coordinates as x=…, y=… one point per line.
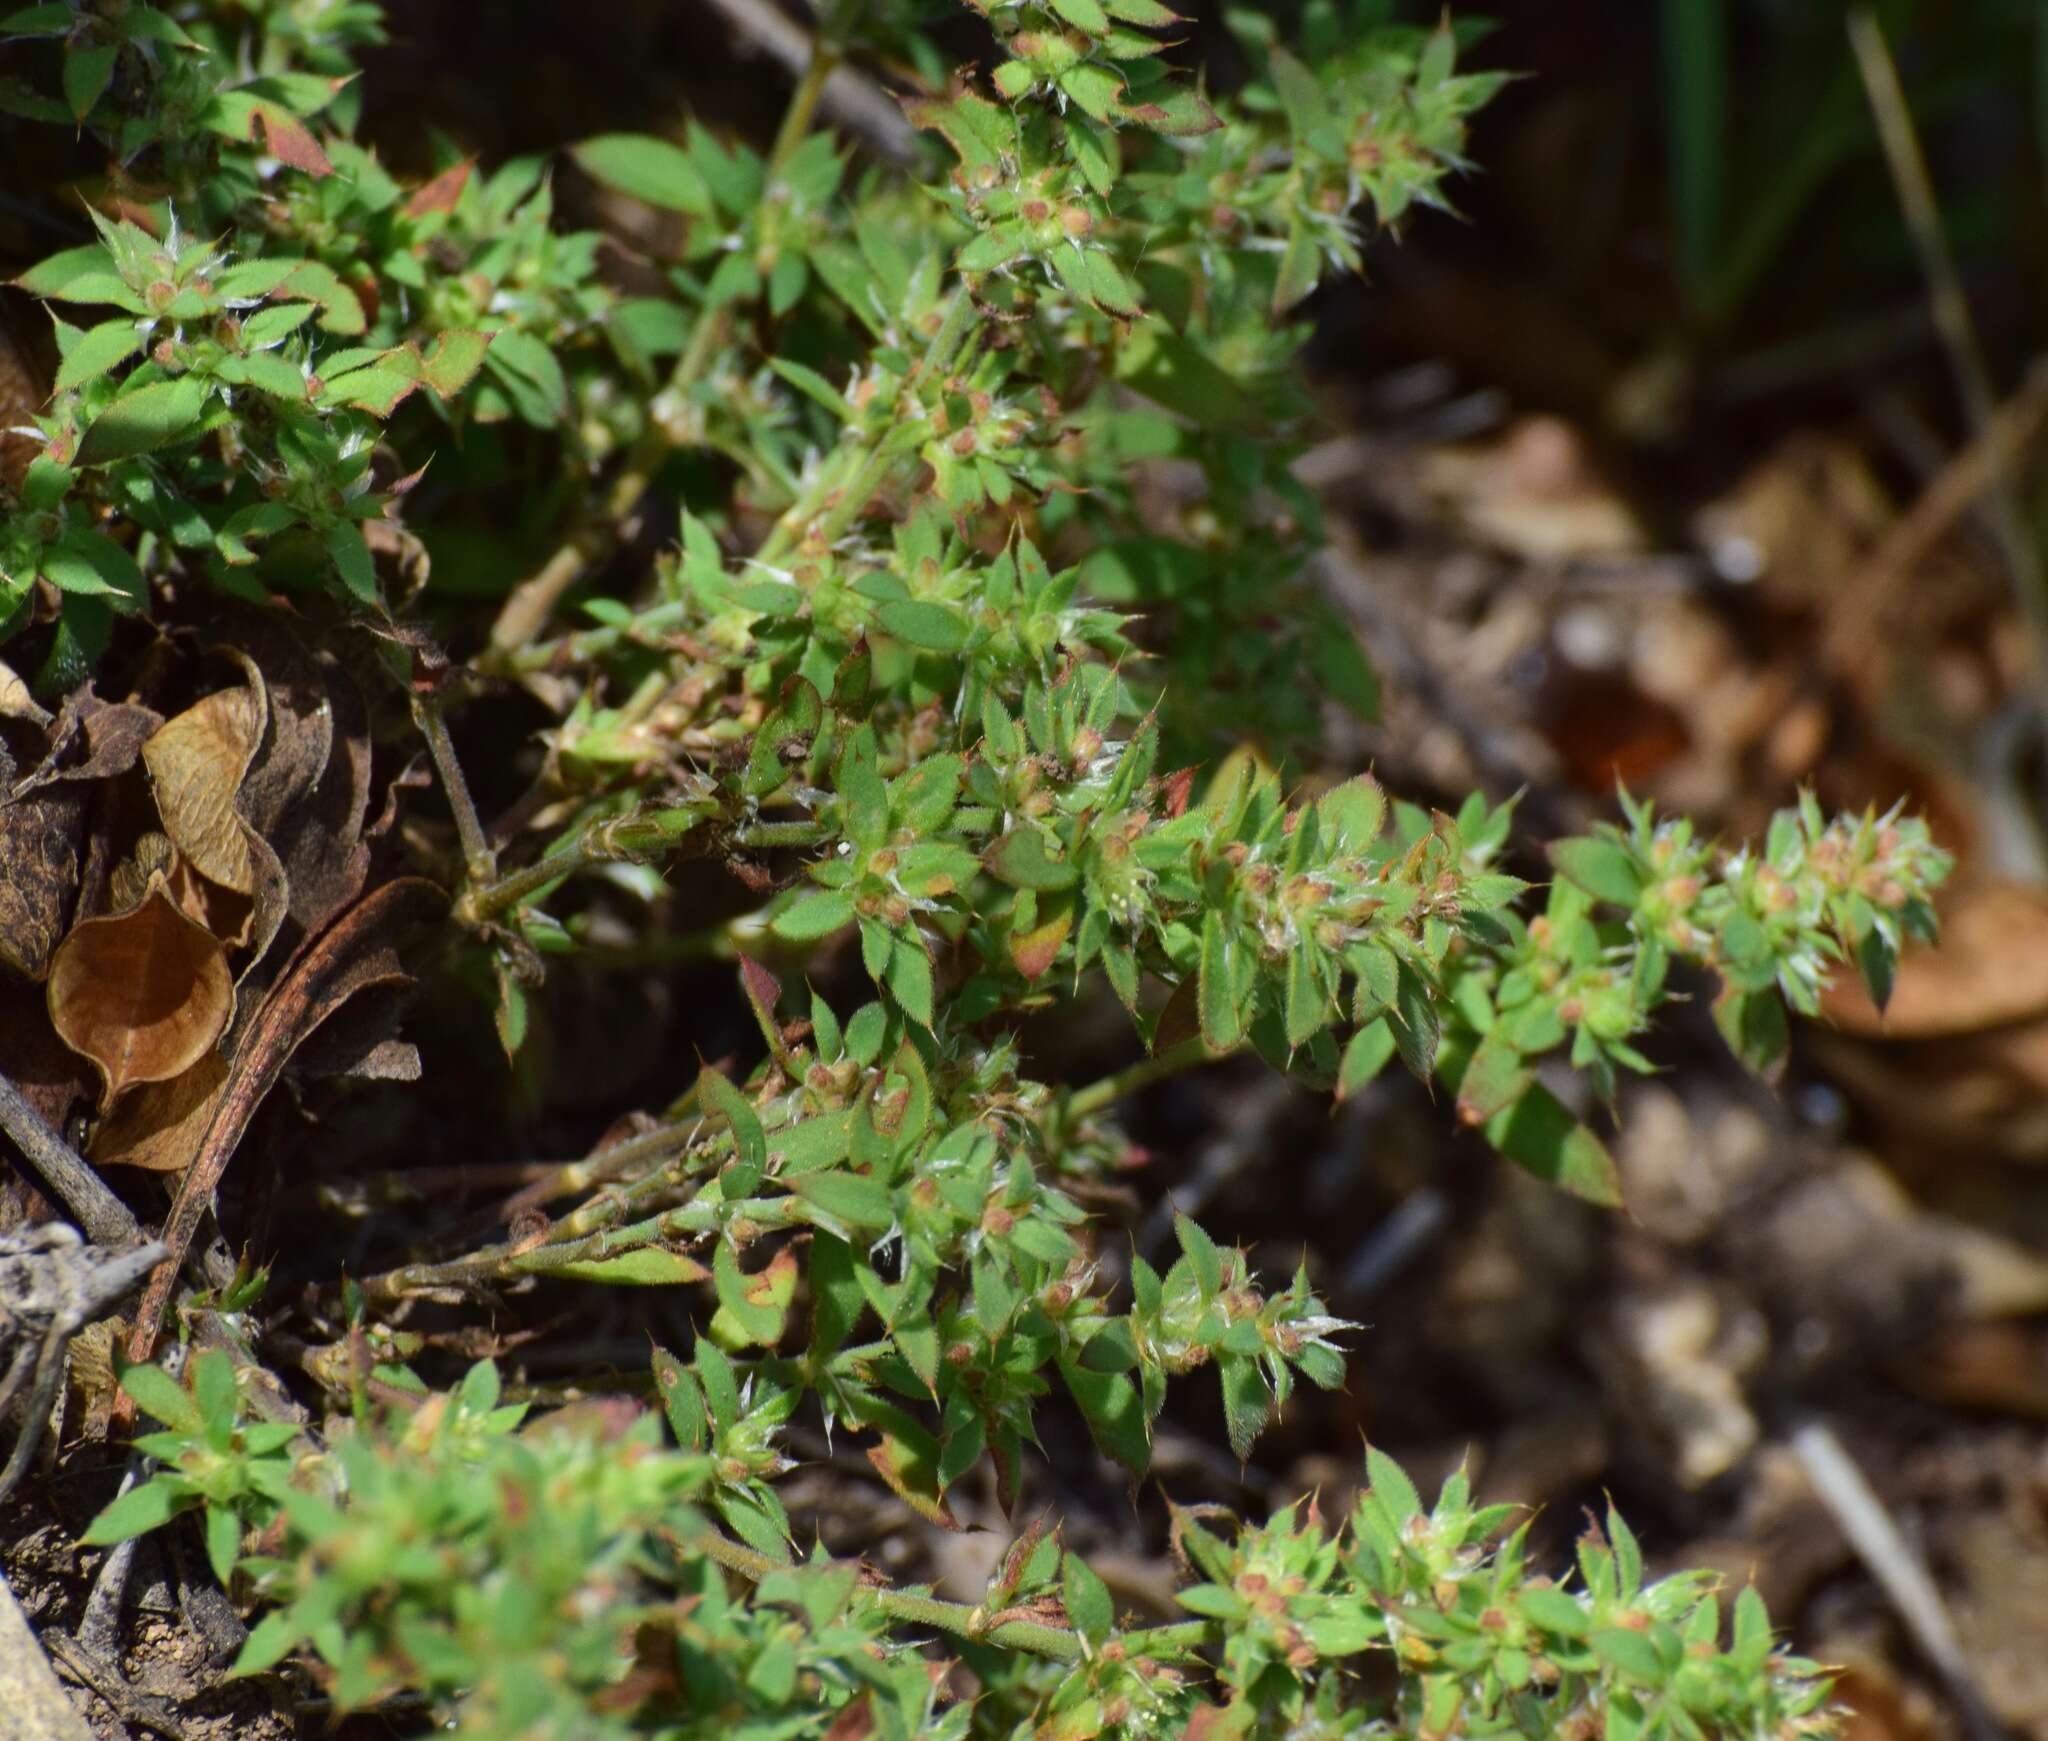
x=929, y=667
x=569, y=1576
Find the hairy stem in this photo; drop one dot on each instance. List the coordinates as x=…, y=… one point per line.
x=958, y=1618
x=1191, y=1052
x=479, y=862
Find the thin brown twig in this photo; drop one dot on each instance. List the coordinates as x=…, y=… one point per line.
x=104, y=1217
x=1969, y=475
x=1950, y=308
x=849, y=97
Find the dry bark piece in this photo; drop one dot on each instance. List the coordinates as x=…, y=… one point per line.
x=144, y=994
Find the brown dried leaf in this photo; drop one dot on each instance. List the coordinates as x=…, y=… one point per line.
x=197, y=763
x=15, y=700
x=160, y=1125
x=40, y=839
x=91, y=740
x=357, y=952
x=144, y=994
x=308, y=792
x=154, y=856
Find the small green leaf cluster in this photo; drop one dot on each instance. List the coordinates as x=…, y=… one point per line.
x=1486, y=1647
x=564, y=1575
x=212, y=1459
x=230, y=353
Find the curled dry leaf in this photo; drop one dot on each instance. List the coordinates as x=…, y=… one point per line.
x=307, y=793
x=144, y=994
x=15, y=700
x=91, y=740
x=200, y=764
x=354, y=954
x=158, y=1127
x=197, y=763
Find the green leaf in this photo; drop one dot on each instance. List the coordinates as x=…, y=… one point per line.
x=452, y=362
x=1390, y=1486
x=1369, y=1052
x=141, y=1509
x=1300, y=266
x=815, y=915
x=215, y=1394
x=1094, y=87
x=1605, y=870
x=1541, y=1137
x=649, y=169
x=910, y=977
x=1086, y=1599
x=923, y=624
x=755, y=1322
x=531, y=378
x=1755, y=1026
x=159, y=1394
x=92, y=565
x=1174, y=372
x=341, y=310
x=1555, y=1611
x=1496, y=1077
x=1223, y=1015
x=855, y=1200
x=272, y=325
x=682, y=1401
x=1110, y=1404
x=649, y=1267
x=1247, y=1403
x=87, y=72
x=1203, y=1257
x=1020, y=859
x=1630, y=1654
x=142, y=420
x=353, y=562
x=277, y=376
x=269, y=1642
x=223, y=1542
x=717, y=1096
x=96, y=350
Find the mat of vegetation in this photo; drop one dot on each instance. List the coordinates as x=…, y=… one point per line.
x=710, y=1019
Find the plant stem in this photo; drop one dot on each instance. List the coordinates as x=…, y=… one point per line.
x=527, y=609
x=499, y=1263
x=869, y=463
x=605, y=843
x=1950, y=307
x=479, y=862
x=803, y=106
x=967, y=1622
x=1172, y=1062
